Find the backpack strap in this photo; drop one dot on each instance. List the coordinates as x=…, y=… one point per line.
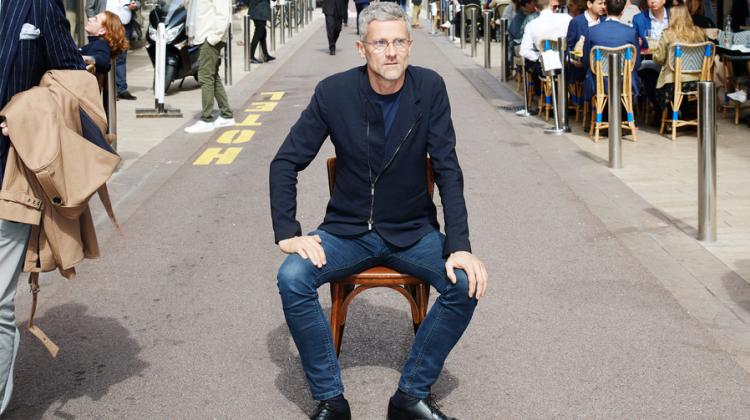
x=52, y=348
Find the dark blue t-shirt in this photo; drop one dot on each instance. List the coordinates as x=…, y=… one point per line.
x=389, y=105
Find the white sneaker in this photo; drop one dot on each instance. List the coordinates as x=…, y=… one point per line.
x=739, y=96
x=446, y=25
x=200, y=126
x=224, y=122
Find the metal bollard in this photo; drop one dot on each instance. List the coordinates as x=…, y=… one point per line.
x=112, y=104
x=160, y=66
x=487, y=50
x=562, y=95
x=503, y=49
x=289, y=15
x=247, y=40
x=282, y=22
x=556, y=130
x=273, y=34
x=615, y=112
x=451, y=16
x=81, y=23
x=159, y=110
x=463, y=27
x=228, y=58
x=473, y=33
x=525, y=111
x=706, y=161
x=303, y=3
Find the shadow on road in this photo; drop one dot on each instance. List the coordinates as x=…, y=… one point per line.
x=377, y=336
x=95, y=354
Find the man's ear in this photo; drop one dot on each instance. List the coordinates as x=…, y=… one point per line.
x=360, y=49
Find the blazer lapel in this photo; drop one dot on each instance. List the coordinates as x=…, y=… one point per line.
x=12, y=17
x=406, y=117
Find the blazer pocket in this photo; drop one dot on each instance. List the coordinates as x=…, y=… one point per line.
x=29, y=32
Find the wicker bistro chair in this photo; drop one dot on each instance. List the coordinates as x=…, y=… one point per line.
x=343, y=291
x=599, y=60
x=686, y=59
x=545, y=100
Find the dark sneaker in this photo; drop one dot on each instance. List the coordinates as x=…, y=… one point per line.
x=126, y=95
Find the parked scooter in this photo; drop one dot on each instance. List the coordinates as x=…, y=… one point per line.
x=182, y=58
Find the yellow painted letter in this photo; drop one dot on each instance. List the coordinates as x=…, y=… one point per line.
x=235, y=136
x=250, y=121
x=224, y=157
x=274, y=96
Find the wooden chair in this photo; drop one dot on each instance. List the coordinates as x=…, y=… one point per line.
x=343, y=291
x=599, y=60
x=686, y=59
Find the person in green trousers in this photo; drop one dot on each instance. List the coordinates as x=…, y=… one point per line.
x=208, y=26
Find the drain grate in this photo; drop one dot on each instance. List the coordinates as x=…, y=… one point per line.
x=511, y=108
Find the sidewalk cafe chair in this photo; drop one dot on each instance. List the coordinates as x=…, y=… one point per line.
x=733, y=82
x=470, y=10
x=600, y=68
x=343, y=291
x=545, y=100
x=684, y=59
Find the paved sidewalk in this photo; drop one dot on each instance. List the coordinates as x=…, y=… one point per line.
x=664, y=173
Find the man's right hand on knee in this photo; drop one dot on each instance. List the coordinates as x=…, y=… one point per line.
x=308, y=247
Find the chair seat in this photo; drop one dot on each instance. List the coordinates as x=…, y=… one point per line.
x=381, y=275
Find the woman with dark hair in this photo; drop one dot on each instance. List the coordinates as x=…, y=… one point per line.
x=106, y=39
x=260, y=13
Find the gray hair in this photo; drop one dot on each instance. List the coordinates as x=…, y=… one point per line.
x=382, y=10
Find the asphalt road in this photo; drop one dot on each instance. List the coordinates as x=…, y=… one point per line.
x=181, y=317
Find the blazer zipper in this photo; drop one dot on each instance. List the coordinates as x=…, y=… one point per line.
x=372, y=185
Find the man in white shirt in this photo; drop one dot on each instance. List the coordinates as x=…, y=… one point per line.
x=548, y=25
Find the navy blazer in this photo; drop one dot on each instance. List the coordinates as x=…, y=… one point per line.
x=23, y=63
x=578, y=27
x=642, y=23
x=400, y=209
x=610, y=33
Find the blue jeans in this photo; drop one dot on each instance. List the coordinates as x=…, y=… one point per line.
x=121, y=65
x=299, y=279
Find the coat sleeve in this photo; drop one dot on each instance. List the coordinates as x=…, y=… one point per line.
x=60, y=50
x=299, y=149
x=441, y=145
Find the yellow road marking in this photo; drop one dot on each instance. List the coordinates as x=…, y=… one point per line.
x=222, y=157
x=250, y=121
x=262, y=107
x=274, y=96
x=235, y=136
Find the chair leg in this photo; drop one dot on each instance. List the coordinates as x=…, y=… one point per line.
x=337, y=300
x=663, y=120
x=736, y=114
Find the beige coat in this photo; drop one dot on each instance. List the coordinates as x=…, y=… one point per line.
x=52, y=170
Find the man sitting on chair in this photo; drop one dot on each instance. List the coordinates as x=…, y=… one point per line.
x=383, y=118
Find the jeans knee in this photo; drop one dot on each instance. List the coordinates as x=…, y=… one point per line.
x=460, y=290
x=295, y=277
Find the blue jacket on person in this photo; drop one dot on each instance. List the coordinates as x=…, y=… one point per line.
x=642, y=23
x=610, y=33
x=99, y=49
x=578, y=27
x=399, y=207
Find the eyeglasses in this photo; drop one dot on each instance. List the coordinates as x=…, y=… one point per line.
x=380, y=45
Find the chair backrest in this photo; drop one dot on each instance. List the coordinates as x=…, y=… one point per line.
x=691, y=58
x=741, y=38
x=547, y=45
x=599, y=58
x=471, y=9
x=331, y=166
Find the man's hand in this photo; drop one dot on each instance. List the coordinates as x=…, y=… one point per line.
x=474, y=269
x=308, y=247
x=4, y=127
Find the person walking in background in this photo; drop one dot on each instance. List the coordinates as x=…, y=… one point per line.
x=332, y=9
x=360, y=5
x=260, y=12
x=124, y=9
x=208, y=25
x=38, y=39
x=415, y=13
